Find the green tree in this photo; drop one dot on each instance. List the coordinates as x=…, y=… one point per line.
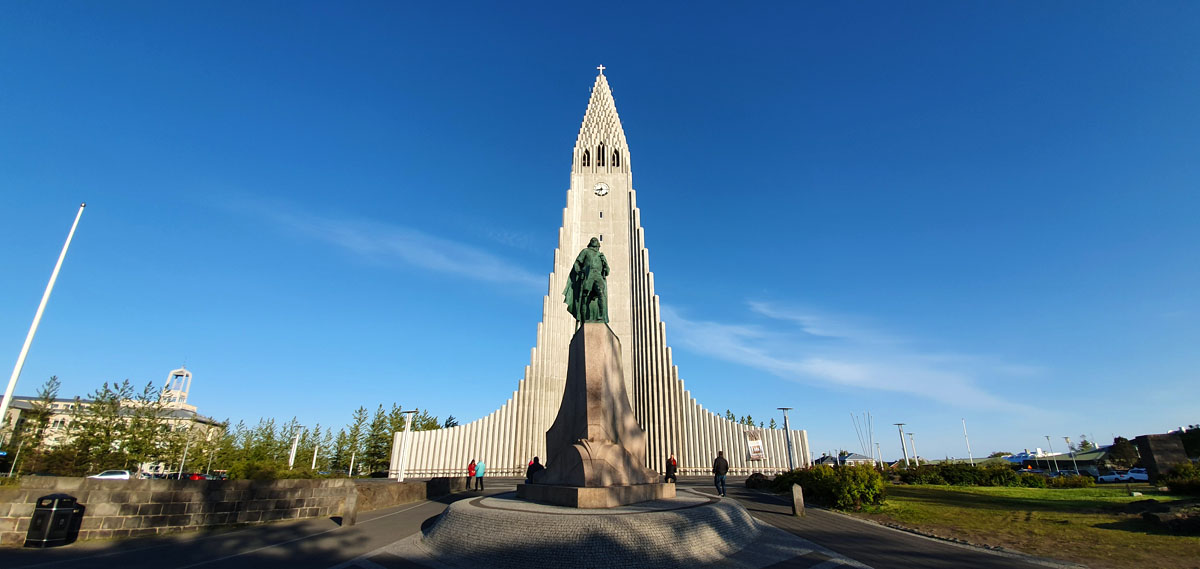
x=729, y=415
x=1084, y=444
x=355, y=436
x=378, y=442
x=1122, y=453
x=101, y=431
x=147, y=430
x=423, y=421
x=450, y=422
x=999, y=454
x=31, y=434
x=772, y=425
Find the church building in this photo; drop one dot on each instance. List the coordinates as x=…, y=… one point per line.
x=602, y=203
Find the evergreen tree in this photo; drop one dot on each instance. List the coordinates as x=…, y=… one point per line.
x=771, y=425
x=450, y=422
x=378, y=442
x=423, y=421
x=339, y=457
x=1084, y=444
x=147, y=433
x=101, y=434
x=729, y=415
x=355, y=436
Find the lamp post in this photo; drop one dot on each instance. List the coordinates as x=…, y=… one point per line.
x=903, y=446
x=1051, y=447
x=916, y=458
x=1073, y=462
x=187, y=443
x=408, y=416
x=37, y=319
x=295, y=443
x=879, y=455
x=787, y=438
x=970, y=456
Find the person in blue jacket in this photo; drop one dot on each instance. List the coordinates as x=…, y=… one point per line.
x=479, y=468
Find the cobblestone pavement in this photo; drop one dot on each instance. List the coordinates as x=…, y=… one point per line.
x=322, y=544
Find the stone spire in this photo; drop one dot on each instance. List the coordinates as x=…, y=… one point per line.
x=601, y=147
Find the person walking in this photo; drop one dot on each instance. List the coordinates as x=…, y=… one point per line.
x=479, y=468
x=534, y=468
x=470, y=473
x=720, y=468
x=672, y=467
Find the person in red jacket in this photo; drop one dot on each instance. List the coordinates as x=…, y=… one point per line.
x=672, y=467
x=470, y=473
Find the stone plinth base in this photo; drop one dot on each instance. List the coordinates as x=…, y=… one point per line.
x=603, y=497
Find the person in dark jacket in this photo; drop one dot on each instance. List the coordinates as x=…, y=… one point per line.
x=534, y=468
x=672, y=467
x=720, y=468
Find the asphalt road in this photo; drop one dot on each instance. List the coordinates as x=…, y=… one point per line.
x=323, y=544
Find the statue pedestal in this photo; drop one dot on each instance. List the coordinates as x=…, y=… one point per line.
x=595, y=449
x=602, y=497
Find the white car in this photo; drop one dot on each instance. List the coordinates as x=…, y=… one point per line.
x=1114, y=476
x=112, y=475
x=1138, y=475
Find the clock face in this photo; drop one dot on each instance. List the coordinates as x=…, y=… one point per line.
x=601, y=189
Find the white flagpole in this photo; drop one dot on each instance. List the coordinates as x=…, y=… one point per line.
x=37, y=319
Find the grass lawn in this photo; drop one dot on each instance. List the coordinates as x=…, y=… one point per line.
x=1083, y=525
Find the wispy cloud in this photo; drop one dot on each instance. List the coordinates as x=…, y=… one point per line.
x=814, y=347
x=392, y=244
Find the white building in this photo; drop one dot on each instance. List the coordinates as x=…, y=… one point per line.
x=602, y=203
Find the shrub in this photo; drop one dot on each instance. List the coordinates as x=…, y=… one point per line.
x=1183, y=479
x=1031, y=480
x=845, y=487
x=1072, y=482
x=925, y=474
x=998, y=475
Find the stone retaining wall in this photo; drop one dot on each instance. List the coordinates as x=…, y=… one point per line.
x=129, y=508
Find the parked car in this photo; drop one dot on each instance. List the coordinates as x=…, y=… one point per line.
x=1138, y=475
x=1065, y=473
x=1114, y=476
x=112, y=475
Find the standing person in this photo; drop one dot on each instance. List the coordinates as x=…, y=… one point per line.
x=534, y=468
x=479, y=468
x=470, y=473
x=720, y=468
x=672, y=466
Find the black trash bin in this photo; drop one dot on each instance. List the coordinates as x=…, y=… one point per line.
x=54, y=520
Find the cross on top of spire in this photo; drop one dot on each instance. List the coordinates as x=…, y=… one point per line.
x=601, y=68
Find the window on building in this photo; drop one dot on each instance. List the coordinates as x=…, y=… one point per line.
x=601, y=215
x=616, y=161
x=587, y=158
x=600, y=155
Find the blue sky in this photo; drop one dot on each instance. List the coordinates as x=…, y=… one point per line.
x=926, y=211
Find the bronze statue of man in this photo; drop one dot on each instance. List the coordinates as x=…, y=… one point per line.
x=586, y=293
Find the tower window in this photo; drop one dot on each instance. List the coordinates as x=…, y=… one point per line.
x=602, y=237
x=616, y=161
x=600, y=155
x=587, y=158
x=601, y=215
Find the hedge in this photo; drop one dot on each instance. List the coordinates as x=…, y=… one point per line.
x=844, y=487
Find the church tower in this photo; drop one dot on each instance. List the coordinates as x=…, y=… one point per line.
x=601, y=203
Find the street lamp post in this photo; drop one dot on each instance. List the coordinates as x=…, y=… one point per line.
x=1073, y=462
x=916, y=458
x=408, y=416
x=37, y=318
x=903, y=445
x=787, y=438
x=970, y=456
x=1051, y=447
x=295, y=443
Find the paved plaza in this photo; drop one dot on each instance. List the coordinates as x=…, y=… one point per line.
x=834, y=540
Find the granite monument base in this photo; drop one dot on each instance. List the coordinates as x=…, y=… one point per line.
x=598, y=497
